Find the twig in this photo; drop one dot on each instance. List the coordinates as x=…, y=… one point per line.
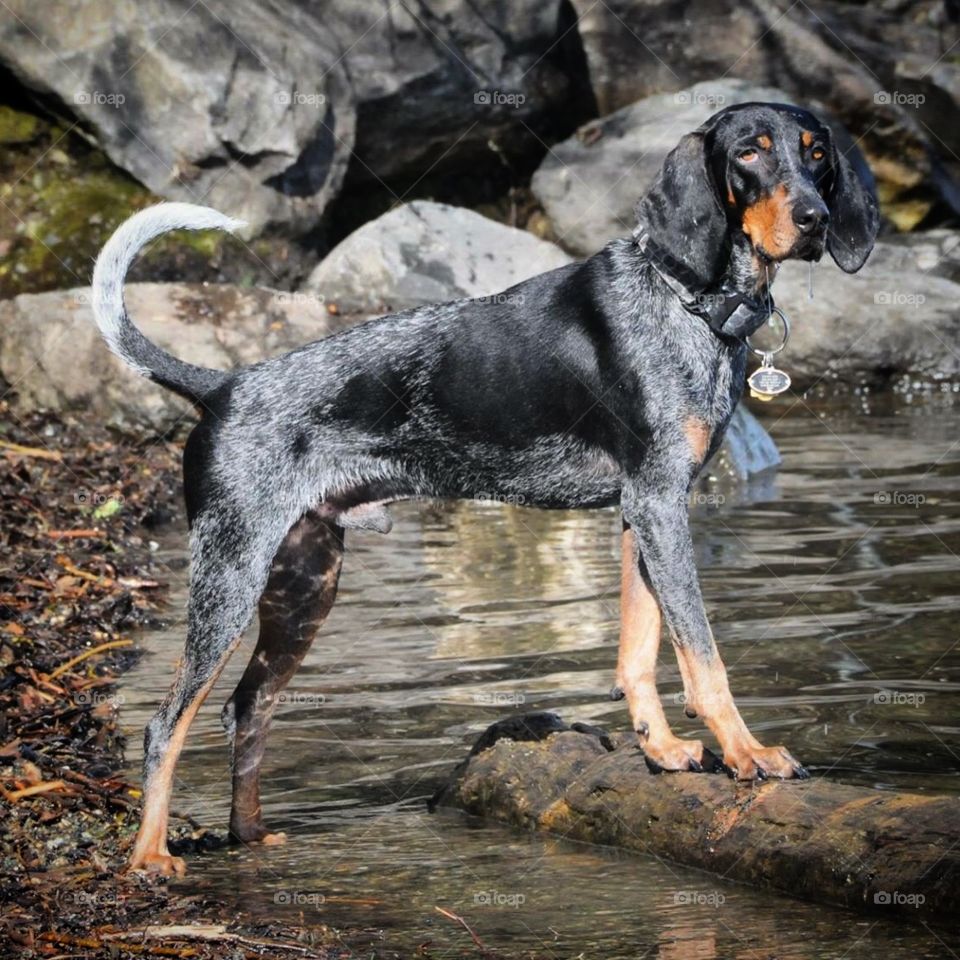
x=37, y=452
x=14, y=795
x=83, y=532
x=64, y=667
x=208, y=932
x=94, y=943
x=458, y=919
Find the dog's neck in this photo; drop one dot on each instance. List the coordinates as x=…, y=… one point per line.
x=748, y=273
x=736, y=303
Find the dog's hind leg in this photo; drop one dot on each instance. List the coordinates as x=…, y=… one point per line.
x=228, y=571
x=299, y=594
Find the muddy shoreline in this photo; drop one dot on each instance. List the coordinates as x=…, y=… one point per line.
x=78, y=507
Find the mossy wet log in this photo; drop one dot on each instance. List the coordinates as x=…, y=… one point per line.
x=895, y=853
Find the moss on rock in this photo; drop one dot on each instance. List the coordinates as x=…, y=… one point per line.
x=61, y=198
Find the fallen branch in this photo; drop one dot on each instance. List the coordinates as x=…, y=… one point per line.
x=896, y=853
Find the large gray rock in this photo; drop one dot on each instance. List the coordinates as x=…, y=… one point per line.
x=436, y=83
x=899, y=315
x=255, y=108
x=426, y=252
x=52, y=356
x=589, y=184
x=888, y=74
x=230, y=103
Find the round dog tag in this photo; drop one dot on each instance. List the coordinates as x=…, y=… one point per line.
x=768, y=382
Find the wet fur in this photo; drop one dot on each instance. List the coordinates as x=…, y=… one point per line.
x=592, y=385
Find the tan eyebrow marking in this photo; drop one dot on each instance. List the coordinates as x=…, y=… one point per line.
x=806, y=138
x=765, y=142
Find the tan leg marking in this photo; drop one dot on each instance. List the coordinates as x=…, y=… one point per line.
x=637, y=668
x=150, y=850
x=698, y=437
x=708, y=693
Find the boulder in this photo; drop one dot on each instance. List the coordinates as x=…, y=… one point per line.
x=589, y=185
x=52, y=356
x=226, y=102
x=426, y=252
x=436, y=84
x=885, y=73
x=899, y=315
x=256, y=109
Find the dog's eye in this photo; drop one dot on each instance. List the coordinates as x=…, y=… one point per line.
x=748, y=156
x=817, y=153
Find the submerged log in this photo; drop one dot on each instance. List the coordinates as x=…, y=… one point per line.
x=895, y=853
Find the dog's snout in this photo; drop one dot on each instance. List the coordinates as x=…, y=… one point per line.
x=810, y=217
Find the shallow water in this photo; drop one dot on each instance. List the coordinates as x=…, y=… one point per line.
x=832, y=586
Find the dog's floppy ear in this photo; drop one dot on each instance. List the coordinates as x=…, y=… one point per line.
x=681, y=217
x=854, y=216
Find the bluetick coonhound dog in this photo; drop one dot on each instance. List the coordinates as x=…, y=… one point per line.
x=605, y=382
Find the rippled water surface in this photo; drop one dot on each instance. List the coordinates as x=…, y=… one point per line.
x=832, y=585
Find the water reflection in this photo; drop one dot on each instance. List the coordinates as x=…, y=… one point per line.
x=832, y=586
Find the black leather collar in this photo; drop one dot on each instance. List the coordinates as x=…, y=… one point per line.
x=732, y=314
x=728, y=313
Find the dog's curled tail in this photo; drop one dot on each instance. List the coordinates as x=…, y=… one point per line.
x=110, y=312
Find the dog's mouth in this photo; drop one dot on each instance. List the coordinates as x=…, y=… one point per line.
x=809, y=247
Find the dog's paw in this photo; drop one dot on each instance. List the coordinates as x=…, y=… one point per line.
x=158, y=865
x=671, y=754
x=763, y=763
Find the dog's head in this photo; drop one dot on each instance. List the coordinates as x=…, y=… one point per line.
x=771, y=173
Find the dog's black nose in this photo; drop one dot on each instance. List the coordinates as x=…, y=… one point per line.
x=810, y=218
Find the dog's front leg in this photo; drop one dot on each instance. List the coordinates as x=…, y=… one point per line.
x=658, y=518
x=640, y=624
